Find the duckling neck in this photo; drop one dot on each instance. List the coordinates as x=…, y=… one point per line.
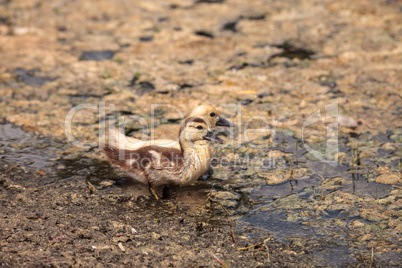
x=197, y=159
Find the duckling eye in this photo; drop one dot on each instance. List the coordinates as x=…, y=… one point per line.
x=212, y=114
x=200, y=127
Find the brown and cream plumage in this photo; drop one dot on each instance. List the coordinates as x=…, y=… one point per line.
x=157, y=165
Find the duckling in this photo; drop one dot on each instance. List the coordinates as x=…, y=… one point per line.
x=157, y=165
x=206, y=112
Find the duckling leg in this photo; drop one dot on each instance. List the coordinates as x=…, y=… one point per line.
x=152, y=190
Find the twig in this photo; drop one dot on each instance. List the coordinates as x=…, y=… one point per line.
x=218, y=260
x=120, y=245
x=91, y=188
x=232, y=232
x=372, y=257
x=244, y=109
x=220, y=205
x=265, y=246
x=255, y=245
x=11, y=168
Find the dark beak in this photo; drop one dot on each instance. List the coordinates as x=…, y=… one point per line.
x=224, y=122
x=210, y=137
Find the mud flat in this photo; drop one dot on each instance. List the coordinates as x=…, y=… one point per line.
x=311, y=176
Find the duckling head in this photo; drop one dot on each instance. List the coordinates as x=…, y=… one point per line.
x=195, y=129
x=210, y=114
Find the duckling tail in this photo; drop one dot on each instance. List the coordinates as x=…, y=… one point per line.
x=116, y=156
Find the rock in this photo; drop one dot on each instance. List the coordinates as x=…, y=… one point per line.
x=370, y=215
x=347, y=121
x=156, y=236
x=225, y=195
x=388, y=146
x=122, y=238
x=274, y=178
x=356, y=224
x=292, y=202
x=389, y=178
x=107, y=183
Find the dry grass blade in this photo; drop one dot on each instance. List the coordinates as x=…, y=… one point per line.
x=258, y=245
x=218, y=260
x=232, y=232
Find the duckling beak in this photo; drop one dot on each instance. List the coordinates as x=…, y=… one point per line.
x=224, y=122
x=210, y=137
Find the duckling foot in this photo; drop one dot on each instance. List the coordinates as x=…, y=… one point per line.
x=152, y=190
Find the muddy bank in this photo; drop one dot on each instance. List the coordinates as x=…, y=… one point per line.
x=68, y=224
x=314, y=164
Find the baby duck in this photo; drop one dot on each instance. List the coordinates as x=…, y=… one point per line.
x=156, y=165
x=206, y=112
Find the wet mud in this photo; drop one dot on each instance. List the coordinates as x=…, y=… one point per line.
x=310, y=176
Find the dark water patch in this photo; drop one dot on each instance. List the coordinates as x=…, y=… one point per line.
x=185, y=85
x=274, y=192
x=231, y=25
x=141, y=88
x=264, y=94
x=334, y=256
x=245, y=65
x=97, y=55
x=31, y=153
x=5, y=20
x=287, y=209
x=62, y=28
x=361, y=187
x=274, y=221
x=334, y=91
x=188, y=62
x=254, y=17
x=19, y=147
x=145, y=87
x=147, y=38
x=246, y=102
x=174, y=6
x=204, y=33
x=29, y=77
x=384, y=137
x=291, y=51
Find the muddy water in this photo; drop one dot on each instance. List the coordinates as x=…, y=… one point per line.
x=280, y=60
x=316, y=201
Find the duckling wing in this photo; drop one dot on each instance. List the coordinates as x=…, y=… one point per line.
x=163, y=158
x=121, y=141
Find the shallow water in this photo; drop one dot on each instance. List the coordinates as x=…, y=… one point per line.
x=288, y=210
x=24, y=148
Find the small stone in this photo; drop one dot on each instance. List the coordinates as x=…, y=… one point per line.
x=390, y=178
x=107, y=183
x=346, y=121
x=388, y=146
x=356, y=224
x=225, y=195
x=156, y=236
x=274, y=178
x=123, y=239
